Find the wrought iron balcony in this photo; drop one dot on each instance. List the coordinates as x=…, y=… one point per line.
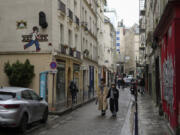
x=84, y=24
x=142, y=12
x=77, y=20
x=63, y=49
x=70, y=14
x=142, y=30
x=71, y=52
x=62, y=7
x=141, y=48
x=78, y=55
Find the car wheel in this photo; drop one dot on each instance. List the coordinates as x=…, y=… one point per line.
x=23, y=124
x=45, y=116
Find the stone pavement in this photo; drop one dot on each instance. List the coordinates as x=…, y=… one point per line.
x=150, y=123
x=87, y=120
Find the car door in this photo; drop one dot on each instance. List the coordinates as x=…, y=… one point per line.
x=39, y=105
x=26, y=96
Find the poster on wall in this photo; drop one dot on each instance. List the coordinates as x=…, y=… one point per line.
x=43, y=85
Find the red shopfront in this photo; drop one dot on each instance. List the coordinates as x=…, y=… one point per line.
x=168, y=33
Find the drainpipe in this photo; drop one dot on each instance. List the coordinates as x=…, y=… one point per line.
x=81, y=44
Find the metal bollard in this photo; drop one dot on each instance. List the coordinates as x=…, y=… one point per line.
x=136, y=123
x=136, y=113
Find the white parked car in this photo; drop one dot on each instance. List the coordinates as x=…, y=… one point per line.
x=128, y=79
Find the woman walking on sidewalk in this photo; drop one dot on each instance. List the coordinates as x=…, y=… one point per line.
x=113, y=94
x=102, y=94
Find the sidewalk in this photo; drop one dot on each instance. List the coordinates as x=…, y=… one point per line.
x=54, y=114
x=150, y=123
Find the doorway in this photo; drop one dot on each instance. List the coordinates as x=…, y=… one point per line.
x=157, y=82
x=60, y=85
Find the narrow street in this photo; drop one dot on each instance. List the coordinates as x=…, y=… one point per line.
x=88, y=121
x=58, y=56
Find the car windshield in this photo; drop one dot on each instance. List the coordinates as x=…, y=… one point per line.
x=6, y=95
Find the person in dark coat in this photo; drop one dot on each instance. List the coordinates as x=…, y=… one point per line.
x=119, y=83
x=142, y=84
x=123, y=83
x=73, y=90
x=113, y=94
x=133, y=88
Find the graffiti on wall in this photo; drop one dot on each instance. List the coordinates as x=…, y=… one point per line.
x=34, y=38
x=168, y=79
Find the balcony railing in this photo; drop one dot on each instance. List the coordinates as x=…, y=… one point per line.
x=142, y=12
x=85, y=24
x=142, y=30
x=71, y=52
x=70, y=14
x=77, y=20
x=62, y=7
x=141, y=48
x=78, y=55
x=63, y=49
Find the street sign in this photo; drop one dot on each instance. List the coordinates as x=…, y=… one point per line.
x=53, y=65
x=54, y=71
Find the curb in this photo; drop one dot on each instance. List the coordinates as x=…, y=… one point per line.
x=126, y=129
x=70, y=109
x=169, y=128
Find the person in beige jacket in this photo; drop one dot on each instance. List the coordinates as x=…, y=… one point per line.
x=102, y=97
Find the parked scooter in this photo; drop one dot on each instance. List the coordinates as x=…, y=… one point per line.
x=133, y=87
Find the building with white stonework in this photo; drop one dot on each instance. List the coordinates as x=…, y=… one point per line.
x=109, y=49
x=71, y=34
x=120, y=47
x=67, y=28
x=89, y=44
x=127, y=48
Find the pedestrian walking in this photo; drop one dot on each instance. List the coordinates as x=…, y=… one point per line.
x=113, y=94
x=142, y=84
x=101, y=97
x=123, y=83
x=133, y=87
x=119, y=83
x=73, y=89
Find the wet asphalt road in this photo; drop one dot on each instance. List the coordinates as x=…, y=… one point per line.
x=85, y=121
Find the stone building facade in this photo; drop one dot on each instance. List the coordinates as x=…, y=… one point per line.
x=162, y=29
x=68, y=35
